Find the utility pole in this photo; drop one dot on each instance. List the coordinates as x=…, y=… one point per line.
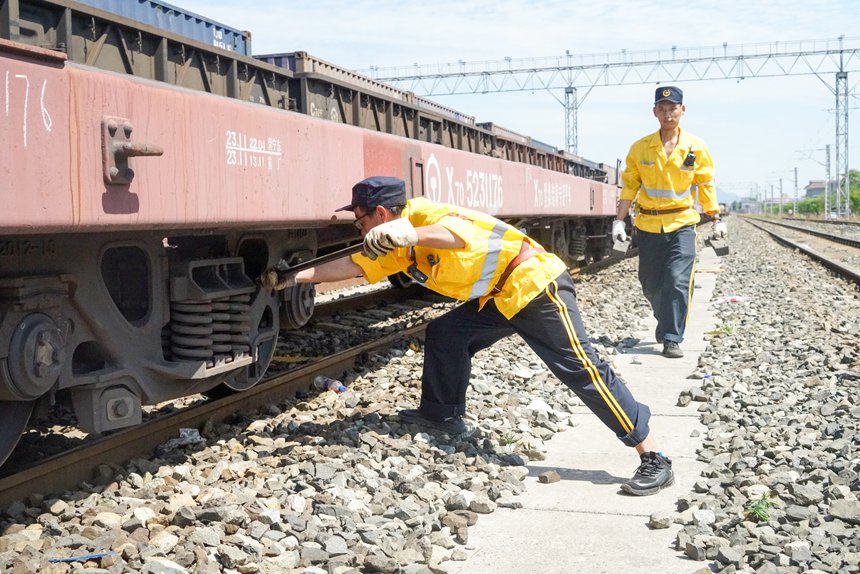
x=795, y=193
x=780, y=198
x=770, y=208
x=827, y=181
x=571, y=136
x=842, y=201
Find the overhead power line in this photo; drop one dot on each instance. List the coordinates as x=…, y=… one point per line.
x=577, y=74
x=727, y=61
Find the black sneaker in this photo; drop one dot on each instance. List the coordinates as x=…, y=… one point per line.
x=451, y=425
x=654, y=474
x=672, y=350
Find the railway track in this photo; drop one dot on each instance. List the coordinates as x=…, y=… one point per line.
x=836, y=252
x=292, y=370
x=81, y=463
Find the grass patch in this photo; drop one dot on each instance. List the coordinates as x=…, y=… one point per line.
x=508, y=438
x=726, y=329
x=757, y=510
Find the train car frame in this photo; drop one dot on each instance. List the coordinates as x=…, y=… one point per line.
x=149, y=179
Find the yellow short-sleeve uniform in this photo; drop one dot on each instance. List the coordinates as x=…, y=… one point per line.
x=469, y=272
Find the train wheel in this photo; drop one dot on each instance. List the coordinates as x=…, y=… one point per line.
x=264, y=340
x=15, y=416
x=298, y=306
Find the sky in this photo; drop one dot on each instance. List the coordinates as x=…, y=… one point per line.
x=758, y=130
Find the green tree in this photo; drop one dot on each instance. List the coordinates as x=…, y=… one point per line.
x=854, y=190
x=811, y=206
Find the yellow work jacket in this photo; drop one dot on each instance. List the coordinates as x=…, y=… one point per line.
x=473, y=270
x=666, y=183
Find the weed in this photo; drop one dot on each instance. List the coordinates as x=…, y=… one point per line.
x=725, y=329
x=508, y=438
x=758, y=509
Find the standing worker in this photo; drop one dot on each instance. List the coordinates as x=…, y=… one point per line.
x=509, y=284
x=667, y=169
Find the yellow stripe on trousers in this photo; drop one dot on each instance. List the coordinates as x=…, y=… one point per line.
x=596, y=379
x=692, y=274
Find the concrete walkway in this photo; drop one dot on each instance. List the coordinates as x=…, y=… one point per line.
x=583, y=524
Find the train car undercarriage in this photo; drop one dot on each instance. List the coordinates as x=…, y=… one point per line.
x=117, y=321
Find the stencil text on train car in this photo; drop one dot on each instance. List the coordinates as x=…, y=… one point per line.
x=16, y=99
x=552, y=194
x=252, y=152
x=470, y=188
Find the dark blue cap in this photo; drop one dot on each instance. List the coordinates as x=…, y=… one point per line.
x=377, y=190
x=669, y=93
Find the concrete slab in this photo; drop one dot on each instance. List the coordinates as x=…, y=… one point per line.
x=583, y=523
x=531, y=541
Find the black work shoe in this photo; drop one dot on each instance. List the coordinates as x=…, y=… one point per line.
x=672, y=350
x=654, y=474
x=451, y=425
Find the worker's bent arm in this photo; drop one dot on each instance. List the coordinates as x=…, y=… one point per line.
x=623, y=208
x=336, y=270
x=439, y=237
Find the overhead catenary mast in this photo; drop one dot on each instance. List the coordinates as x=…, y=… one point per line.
x=578, y=74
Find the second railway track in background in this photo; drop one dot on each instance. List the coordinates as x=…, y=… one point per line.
x=390, y=316
x=837, y=252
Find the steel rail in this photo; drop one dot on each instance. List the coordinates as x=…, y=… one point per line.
x=841, y=270
x=821, y=234
x=825, y=221
x=66, y=471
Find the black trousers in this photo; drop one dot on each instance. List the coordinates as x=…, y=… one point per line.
x=552, y=326
x=666, y=274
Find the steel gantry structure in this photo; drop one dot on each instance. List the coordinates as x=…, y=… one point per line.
x=583, y=72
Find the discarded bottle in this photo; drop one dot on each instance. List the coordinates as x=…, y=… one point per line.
x=323, y=383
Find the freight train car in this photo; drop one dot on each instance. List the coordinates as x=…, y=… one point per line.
x=148, y=178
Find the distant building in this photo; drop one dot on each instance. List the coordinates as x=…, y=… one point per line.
x=815, y=188
x=749, y=205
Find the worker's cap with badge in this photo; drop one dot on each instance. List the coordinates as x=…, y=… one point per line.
x=669, y=94
x=377, y=190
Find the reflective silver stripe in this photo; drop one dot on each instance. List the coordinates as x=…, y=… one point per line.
x=711, y=182
x=666, y=193
x=491, y=260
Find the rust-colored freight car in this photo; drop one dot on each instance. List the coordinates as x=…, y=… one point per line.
x=147, y=178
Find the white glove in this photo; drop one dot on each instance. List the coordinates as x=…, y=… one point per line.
x=277, y=277
x=618, y=231
x=389, y=236
x=720, y=230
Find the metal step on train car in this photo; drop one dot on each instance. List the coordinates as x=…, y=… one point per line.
x=148, y=177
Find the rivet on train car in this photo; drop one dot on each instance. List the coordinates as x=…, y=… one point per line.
x=126, y=127
x=112, y=127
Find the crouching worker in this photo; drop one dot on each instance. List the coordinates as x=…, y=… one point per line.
x=509, y=284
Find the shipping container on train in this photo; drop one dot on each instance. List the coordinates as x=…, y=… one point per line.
x=174, y=19
x=148, y=179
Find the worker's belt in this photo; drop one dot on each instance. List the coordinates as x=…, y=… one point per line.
x=663, y=211
x=526, y=252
